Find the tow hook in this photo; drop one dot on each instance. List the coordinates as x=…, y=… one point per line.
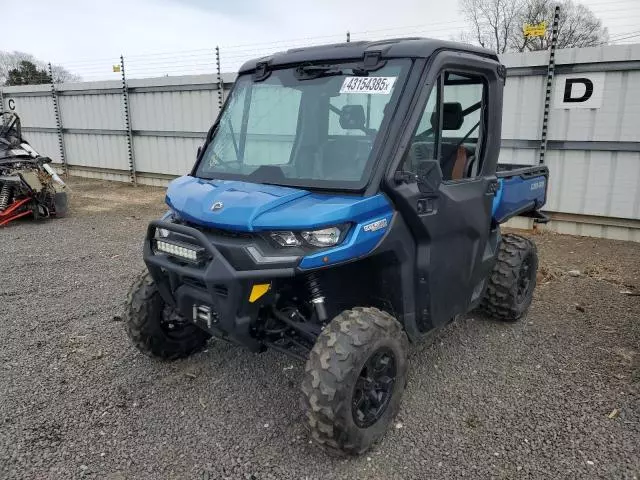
x=203, y=313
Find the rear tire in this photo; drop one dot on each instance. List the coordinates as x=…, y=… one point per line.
x=354, y=380
x=155, y=328
x=513, y=279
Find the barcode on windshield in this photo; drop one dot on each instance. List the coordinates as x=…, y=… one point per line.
x=375, y=85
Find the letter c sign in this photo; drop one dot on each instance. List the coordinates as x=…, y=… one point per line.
x=579, y=91
x=11, y=103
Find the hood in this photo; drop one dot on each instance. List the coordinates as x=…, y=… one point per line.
x=250, y=207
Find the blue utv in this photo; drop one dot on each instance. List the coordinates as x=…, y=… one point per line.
x=347, y=200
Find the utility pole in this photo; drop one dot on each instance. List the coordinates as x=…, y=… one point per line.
x=549, y=86
x=58, y=118
x=127, y=123
x=220, y=81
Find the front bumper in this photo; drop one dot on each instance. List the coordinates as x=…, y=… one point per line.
x=212, y=283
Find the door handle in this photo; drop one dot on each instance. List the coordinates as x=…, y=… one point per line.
x=426, y=206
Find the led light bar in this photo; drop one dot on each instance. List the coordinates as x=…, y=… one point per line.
x=191, y=253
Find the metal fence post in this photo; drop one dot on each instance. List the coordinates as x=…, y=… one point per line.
x=127, y=122
x=547, y=96
x=56, y=112
x=220, y=81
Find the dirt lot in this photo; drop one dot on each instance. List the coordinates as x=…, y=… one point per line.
x=556, y=395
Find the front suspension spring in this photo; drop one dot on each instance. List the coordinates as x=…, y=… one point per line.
x=5, y=196
x=317, y=298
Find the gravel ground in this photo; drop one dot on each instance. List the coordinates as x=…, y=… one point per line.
x=553, y=396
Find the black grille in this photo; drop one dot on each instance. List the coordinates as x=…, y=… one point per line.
x=221, y=290
x=194, y=282
x=230, y=234
x=218, y=231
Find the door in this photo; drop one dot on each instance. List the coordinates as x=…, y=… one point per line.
x=444, y=186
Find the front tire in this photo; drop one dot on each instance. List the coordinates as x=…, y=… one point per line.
x=513, y=279
x=354, y=380
x=155, y=328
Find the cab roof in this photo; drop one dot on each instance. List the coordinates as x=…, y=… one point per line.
x=413, y=47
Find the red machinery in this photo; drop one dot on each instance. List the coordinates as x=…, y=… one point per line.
x=28, y=184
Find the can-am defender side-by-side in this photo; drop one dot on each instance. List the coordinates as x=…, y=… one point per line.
x=29, y=186
x=346, y=201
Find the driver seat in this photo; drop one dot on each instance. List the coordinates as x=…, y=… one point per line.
x=453, y=161
x=453, y=157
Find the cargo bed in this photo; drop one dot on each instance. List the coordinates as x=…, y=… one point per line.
x=522, y=191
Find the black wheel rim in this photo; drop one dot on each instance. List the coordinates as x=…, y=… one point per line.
x=174, y=325
x=374, y=388
x=525, y=279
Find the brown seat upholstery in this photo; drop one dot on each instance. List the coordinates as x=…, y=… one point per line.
x=460, y=164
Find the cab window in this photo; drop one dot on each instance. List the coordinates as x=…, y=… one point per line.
x=452, y=127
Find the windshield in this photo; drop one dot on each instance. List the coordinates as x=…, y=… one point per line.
x=310, y=126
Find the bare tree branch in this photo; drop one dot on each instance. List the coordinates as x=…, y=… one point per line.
x=498, y=24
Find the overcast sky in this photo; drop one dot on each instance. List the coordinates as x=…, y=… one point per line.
x=84, y=34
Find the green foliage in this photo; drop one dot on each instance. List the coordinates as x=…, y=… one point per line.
x=26, y=67
x=27, y=74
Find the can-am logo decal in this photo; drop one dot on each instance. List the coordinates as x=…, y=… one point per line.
x=372, y=227
x=537, y=185
x=217, y=206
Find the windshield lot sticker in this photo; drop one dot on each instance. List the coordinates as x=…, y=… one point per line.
x=375, y=85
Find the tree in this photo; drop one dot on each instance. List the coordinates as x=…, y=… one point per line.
x=577, y=26
x=27, y=74
x=498, y=24
x=62, y=75
x=492, y=21
x=12, y=61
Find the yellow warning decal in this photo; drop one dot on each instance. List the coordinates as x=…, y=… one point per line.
x=536, y=30
x=258, y=290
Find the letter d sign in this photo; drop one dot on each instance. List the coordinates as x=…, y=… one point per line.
x=569, y=94
x=579, y=91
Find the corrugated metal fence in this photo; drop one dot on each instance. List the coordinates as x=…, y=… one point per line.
x=594, y=144
x=169, y=118
x=593, y=150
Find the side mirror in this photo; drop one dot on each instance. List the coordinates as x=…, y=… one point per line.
x=429, y=176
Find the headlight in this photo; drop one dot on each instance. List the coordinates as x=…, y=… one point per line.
x=286, y=239
x=326, y=237
x=181, y=250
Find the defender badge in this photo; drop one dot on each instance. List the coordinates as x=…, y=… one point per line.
x=372, y=227
x=217, y=206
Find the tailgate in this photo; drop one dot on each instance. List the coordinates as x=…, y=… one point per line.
x=522, y=190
